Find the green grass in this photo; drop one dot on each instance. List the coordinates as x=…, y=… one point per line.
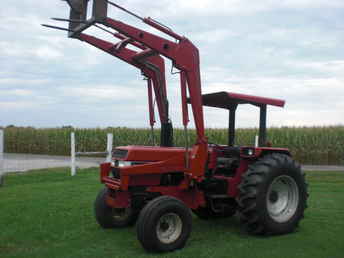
x=50, y=214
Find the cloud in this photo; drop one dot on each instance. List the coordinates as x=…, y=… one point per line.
x=14, y=105
x=17, y=92
x=288, y=49
x=22, y=51
x=20, y=81
x=335, y=67
x=100, y=93
x=181, y=8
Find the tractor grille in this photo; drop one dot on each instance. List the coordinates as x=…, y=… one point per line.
x=116, y=173
x=118, y=153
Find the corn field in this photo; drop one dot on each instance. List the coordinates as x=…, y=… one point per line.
x=309, y=145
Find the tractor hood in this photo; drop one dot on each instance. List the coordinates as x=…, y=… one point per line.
x=147, y=153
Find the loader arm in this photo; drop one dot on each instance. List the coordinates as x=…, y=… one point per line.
x=183, y=54
x=185, y=57
x=153, y=68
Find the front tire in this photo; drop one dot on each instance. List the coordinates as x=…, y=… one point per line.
x=109, y=217
x=164, y=224
x=272, y=195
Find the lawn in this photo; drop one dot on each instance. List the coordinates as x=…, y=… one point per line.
x=50, y=214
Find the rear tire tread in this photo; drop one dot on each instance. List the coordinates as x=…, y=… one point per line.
x=251, y=187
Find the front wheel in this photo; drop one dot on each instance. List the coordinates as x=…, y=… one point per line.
x=164, y=224
x=272, y=195
x=109, y=217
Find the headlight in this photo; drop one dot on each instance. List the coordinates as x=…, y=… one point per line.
x=122, y=163
x=248, y=151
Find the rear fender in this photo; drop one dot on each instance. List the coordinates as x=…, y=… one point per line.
x=247, y=160
x=258, y=152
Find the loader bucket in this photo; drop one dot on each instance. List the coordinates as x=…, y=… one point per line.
x=78, y=17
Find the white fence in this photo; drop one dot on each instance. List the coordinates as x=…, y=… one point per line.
x=1, y=156
x=74, y=154
x=21, y=162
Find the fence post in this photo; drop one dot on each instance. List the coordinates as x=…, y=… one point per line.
x=256, y=141
x=2, y=172
x=109, y=147
x=72, y=148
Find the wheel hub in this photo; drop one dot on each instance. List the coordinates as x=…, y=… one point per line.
x=169, y=228
x=273, y=197
x=164, y=226
x=282, y=198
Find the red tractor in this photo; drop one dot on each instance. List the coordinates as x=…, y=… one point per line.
x=159, y=187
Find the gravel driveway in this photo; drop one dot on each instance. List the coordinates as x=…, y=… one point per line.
x=25, y=162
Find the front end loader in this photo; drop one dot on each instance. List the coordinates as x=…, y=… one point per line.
x=159, y=187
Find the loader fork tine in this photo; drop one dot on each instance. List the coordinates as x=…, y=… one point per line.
x=56, y=27
x=68, y=20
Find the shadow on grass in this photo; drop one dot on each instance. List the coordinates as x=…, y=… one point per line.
x=205, y=234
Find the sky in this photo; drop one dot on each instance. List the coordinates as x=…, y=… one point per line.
x=286, y=49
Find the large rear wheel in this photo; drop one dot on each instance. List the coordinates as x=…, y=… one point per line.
x=273, y=195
